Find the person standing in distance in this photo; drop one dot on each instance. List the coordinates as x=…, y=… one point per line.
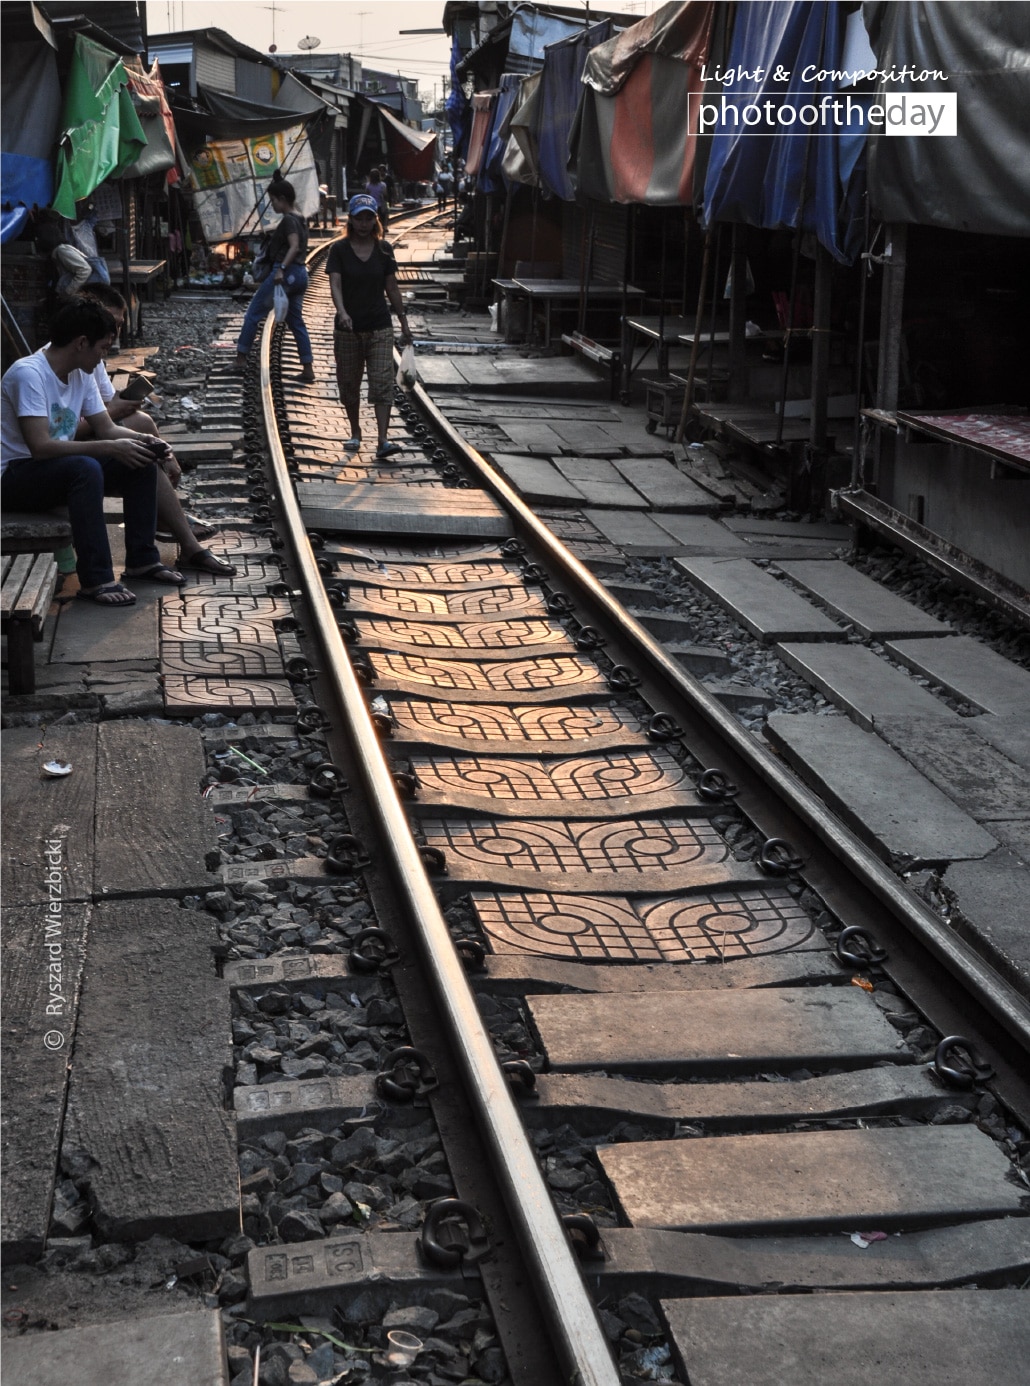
x=286, y=251
x=377, y=187
x=363, y=279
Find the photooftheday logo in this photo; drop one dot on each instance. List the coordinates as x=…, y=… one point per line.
x=897, y=113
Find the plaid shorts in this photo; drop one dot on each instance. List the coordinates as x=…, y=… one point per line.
x=356, y=352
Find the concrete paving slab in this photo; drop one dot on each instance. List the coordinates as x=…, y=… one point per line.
x=627, y=856
x=41, y=964
x=139, y=850
x=727, y=924
x=601, y=484
x=384, y=1266
x=533, y=436
x=484, y=730
x=537, y=479
x=292, y=1105
x=152, y=1044
x=517, y=975
x=792, y=529
x=769, y=609
x=86, y=632
x=37, y=809
x=1013, y=835
x=488, y=638
x=664, y=486
x=596, y=786
x=991, y=911
x=958, y=760
x=587, y=1100
x=953, y=1338
x=864, y=686
x=1009, y=734
x=183, y=1349
x=701, y=535
x=873, y=610
x=636, y=534
x=716, y=1032
x=885, y=801
x=994, y=1251
x=548, y=679
x=411, y=511
x=806, y=1181
x=969, y=670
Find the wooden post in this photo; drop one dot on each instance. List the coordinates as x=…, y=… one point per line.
x=821, y=346
x=688, y=393
x=888, y=368
x=738, y=314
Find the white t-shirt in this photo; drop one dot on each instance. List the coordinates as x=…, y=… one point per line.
x=30, y=389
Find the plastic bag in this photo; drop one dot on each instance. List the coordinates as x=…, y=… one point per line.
x=280, y=303
x=407, y=373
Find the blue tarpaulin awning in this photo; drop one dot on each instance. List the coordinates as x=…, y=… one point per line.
x=761, y=176
x=560, y=93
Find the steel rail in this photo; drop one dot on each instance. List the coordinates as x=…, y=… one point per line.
x=580, y=1341
x=859, y=507
x=993, y=992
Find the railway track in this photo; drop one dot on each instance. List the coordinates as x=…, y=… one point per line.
x=749, y=1053
x=575, y=1062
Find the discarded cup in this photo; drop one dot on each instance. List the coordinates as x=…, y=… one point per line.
x=402, y=1348
x=57, y=768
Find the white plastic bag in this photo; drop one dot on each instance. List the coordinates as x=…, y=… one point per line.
x=407, y=373
x=280, y=303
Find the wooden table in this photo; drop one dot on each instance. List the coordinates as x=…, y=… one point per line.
x=552, y=291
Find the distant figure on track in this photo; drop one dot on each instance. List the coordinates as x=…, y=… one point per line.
x=362, y=276
x=377, y=187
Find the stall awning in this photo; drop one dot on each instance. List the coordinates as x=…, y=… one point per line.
x=761, y=173
x=100, y=132
x=155, y=116
x=978, y=180
x=31, y=114
x=560, y=93
x=490, y=171
x=412, y=152
x=482, y=116
x=230, y=180
x=635, y=132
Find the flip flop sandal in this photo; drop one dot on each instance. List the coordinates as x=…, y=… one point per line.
x=204, y=561
x=388, y=450
x=159, y=572
x=110, y=594
x=352, y=445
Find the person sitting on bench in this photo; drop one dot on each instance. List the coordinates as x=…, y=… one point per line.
x=171, y=518
x=42, y=398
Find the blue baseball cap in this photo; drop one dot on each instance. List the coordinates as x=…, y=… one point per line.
x=362, y=202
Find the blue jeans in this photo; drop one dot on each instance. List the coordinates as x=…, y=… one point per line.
x=295, y=281
x=80, y=483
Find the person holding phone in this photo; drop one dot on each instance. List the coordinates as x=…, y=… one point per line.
x=43, y=464
x=123, y=407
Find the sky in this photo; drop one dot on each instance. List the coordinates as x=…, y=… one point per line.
x=370, y=29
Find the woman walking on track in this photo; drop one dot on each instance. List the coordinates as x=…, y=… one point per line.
x=286, y=251
x=361, y=270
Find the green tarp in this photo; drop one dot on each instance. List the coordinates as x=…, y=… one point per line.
x=100, y=132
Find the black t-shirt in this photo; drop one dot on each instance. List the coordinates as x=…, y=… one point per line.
x=364, y=283
x=290, y=225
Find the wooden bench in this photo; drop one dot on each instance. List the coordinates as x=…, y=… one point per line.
x=28, y=587
x=607, y=356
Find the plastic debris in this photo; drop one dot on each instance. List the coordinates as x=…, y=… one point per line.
x=862, y=982
x=864, y=1239
x=56, y=769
